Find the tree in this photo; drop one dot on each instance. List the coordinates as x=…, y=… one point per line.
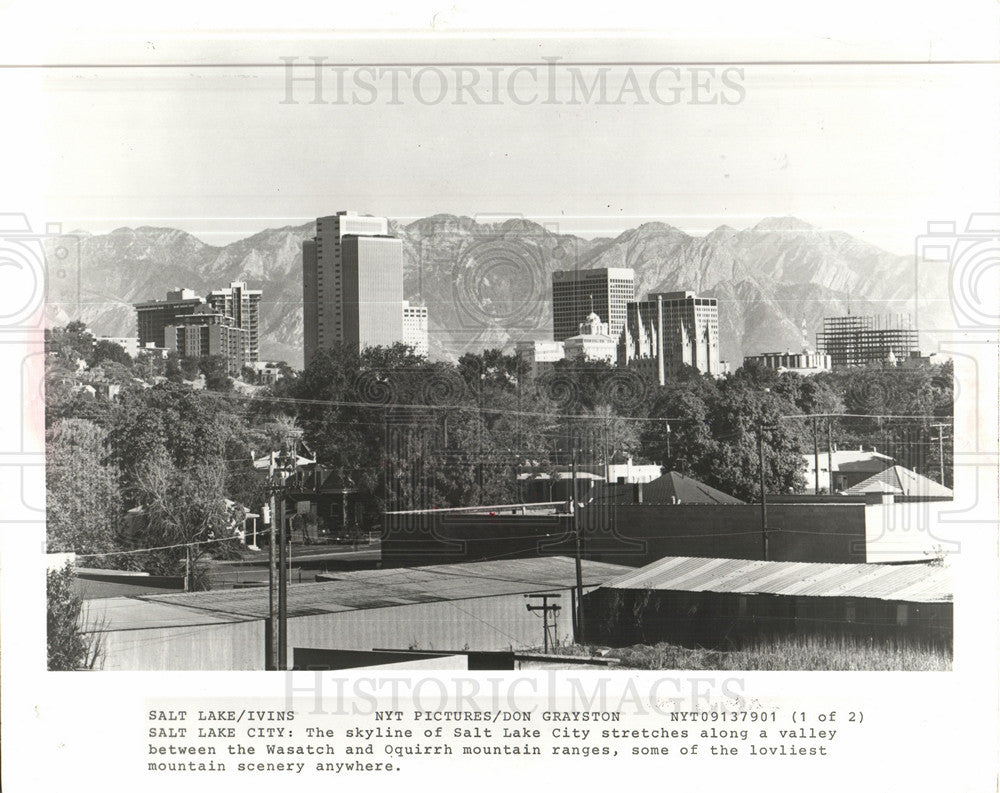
x=215, y=368
x=189, y=426
x=83, y=498
x=70, y=344
x=69, y=647
x=105, y=350
x=684, y=408
x=185, y=516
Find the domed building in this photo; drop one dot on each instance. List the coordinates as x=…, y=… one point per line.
x=593, y=343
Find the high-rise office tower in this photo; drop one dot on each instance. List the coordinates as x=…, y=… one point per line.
x=416, y=330
x=859, y=340
x=669, y=329
x=578, y=293
x=352, y=284
x=242, y=306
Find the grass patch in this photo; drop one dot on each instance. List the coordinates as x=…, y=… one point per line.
x=788, y=653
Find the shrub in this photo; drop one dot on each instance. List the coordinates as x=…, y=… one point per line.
x=69, y=647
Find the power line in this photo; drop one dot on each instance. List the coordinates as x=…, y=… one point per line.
x=861, y=416
x=156, y=548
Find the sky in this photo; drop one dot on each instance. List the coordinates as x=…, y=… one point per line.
x=221, y=152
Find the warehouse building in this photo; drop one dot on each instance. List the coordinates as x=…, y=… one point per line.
x=479, y=606
x=722, y=603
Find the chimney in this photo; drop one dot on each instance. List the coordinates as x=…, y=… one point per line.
x=638, y=492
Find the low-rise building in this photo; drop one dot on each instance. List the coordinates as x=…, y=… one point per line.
x=128, y=343
x=478, y=606
x=594, y=342
x=268, y=373
x=539, y=356
x=850, y=466
x=804, y=363
x=707, y=602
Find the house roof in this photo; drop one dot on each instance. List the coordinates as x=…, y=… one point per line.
x=921, y=582
x=356, y=590
x=671, y=488
x=901, y=481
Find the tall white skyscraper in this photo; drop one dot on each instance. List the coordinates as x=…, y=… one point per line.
x=416, y=330
x=352, y=284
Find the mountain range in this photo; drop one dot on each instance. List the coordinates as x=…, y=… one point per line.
x=488, y=285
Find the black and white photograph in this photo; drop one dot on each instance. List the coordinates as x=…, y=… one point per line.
x=610, y=385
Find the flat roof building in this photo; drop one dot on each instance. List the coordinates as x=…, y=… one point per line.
x=804, y=363
x=154, y=315
x=477, y=606
x=242, y=306
x=577, y=293
x=539, y=356
x=416, y=328
x=352, y=284
x=226, y=323
x=205, y=333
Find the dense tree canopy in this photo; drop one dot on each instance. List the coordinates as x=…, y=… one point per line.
x=410, y=433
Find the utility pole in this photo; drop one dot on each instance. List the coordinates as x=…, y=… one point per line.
x=546, y=609
x=941, y=452
x=940, y=440
x=829, y=451
x=288, y=468
x=816, y=455
x=272, y=570
x=282, y=581
x=763, y=491
x=667, y=461
x=579, y=638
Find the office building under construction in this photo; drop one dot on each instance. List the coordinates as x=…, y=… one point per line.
x=860, y=340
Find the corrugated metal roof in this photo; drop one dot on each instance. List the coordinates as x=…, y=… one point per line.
x=922, y=582
x=359, y=589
